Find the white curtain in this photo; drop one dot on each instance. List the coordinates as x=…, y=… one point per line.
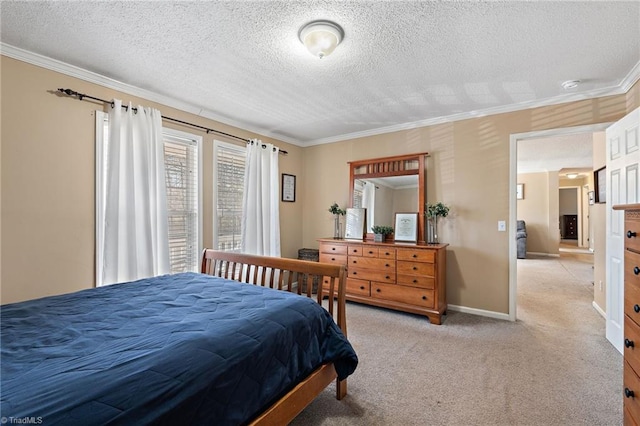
x=136, y=228
x=369, y=203
x=261, y=201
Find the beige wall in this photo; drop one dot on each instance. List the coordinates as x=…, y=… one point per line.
x=539, y=209
x=598, y=216
x=47, y=181
x=468, y=170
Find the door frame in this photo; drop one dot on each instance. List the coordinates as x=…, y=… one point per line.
x=513, y=177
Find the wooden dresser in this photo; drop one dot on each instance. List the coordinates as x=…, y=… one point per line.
x=405, y=277
x=631, y=386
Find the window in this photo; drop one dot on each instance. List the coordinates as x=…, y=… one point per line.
x=182, y=155
x=181, y=159
x=228, y=166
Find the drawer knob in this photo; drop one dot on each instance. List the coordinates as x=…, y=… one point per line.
x=361, y=287
x=333, y=258
x=387, y=277
x=370, y=252
x=386, y=254
x=628, y=393
x=415, y=281
x=628, y=343
x=355, y=273
x=415, y=269
x=424, y=297
x=333, y=248
x=378, y=290
x=636, y=270
x=631, y=234
x=415, y=255
x=636, y=308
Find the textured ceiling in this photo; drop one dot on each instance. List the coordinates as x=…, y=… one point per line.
x=402, y=64
x=568, y=153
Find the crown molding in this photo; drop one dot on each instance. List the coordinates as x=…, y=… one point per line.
x=92, y=77
x=55, y=65
x=631, y=78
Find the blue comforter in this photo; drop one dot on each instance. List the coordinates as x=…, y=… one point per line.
x=176, y=349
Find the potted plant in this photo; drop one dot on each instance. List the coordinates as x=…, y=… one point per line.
x=380, y=232
x=434, y=211
x=337, y=212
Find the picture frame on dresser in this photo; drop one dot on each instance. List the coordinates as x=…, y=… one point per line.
x=355, y=223
x=406, y=228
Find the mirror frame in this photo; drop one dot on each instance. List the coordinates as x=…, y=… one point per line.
x=392, y=166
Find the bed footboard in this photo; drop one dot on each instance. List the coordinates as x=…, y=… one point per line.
x=288, y=274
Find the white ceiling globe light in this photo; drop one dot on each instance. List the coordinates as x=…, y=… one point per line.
x=321, y=37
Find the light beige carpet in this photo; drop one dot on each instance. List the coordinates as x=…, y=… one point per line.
x=551, y=367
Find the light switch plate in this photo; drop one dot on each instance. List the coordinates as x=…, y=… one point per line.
x=502, y=226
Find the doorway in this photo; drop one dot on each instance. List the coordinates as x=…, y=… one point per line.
x=513, y=208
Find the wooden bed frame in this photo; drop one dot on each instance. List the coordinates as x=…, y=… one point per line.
x=288, y=275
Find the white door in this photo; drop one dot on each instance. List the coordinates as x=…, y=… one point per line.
x=584, y=208
x=623, y=157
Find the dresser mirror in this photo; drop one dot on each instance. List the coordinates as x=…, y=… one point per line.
x=386, y=186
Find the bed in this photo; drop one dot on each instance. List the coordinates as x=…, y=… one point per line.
x=201, y=348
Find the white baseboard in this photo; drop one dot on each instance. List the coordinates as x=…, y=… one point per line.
x=479, y=312
x=599, y=309
x=543, y=254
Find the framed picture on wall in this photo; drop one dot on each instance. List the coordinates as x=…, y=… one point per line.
x=288, y=188
x=600, y=183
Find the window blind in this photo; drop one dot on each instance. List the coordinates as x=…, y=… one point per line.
x=229, y=183
x=181, y=168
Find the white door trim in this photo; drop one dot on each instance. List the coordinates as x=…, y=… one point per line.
x=513, y=177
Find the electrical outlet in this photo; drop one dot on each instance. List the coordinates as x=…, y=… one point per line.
x=502, y=226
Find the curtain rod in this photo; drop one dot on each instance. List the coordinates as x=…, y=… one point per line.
x=81, y=96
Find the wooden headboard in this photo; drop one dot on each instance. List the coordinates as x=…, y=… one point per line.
x=282, y=274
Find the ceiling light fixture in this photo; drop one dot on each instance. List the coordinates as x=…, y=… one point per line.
x=321, y=37
x=572, y=175
x=570, y=84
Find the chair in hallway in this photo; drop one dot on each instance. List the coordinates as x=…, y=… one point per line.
x=521, y=239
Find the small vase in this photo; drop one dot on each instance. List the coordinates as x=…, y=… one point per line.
x=378, y=238
x=336, y=228
x=433, y=230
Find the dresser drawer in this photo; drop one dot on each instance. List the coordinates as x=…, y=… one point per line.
x=631, y=384
x=632, y=344
x=632, y=301
x=632, y=268
x=359, y=287
x=409, y=295
x=371, y=275
x=369, y=251
x=415, y=268
x=383, y=265
x=386, y=253
x=416, y=281
x=354, y=250
x=333, y=248
x=340, y=259
x=632, y=242
x=416, y=255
